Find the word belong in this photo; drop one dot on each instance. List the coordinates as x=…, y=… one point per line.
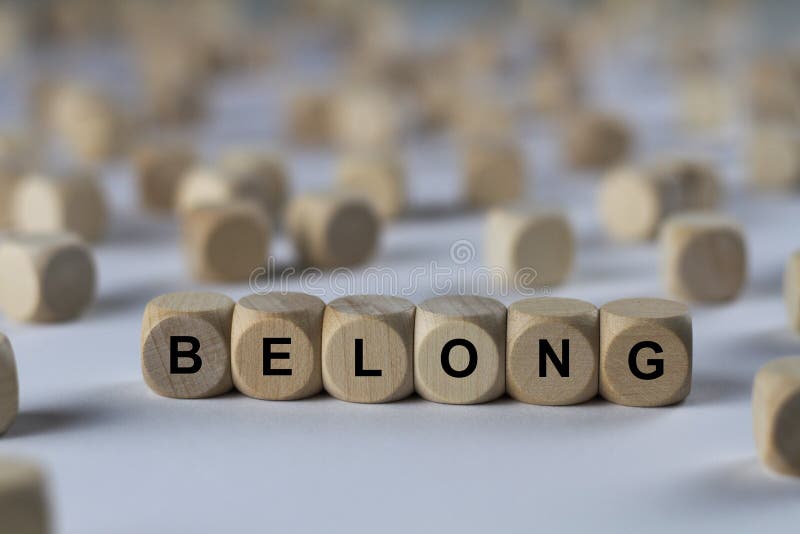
x=454, y=349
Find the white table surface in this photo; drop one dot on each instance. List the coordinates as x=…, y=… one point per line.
x=123, y=460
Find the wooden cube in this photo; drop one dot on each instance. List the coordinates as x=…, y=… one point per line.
x=225, y=242
x=597, y=140
x=46, y=277
x=552, y=354
x=533, y=245
x=379, y=176
x=258, y=176
x=160, y=167
x=494, y=172
x=310, y=117
x=645, y=352
x=366, y=118
x=791, y=290
x=367, y=348
x=775, y=157
x=333, y=229
x=186, y=345
x=72, y=202
x=10, y=175
x=776, y=414
x=555, y=89
x=706, y=101
x=698, y=184
x=23, y=498
x=704, y=258
x=460, y=349
x=276, y=346
x=634, y=202
x=9, y=385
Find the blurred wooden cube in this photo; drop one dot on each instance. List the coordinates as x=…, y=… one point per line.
x=776, y=415
x=775, y=157
x=596, y=140
x=494, y=172
x=225, y=242
x=9, y=385
x=24, y=505
x=704, y=257
x=46, y=277
x=160, y=167
x=72, y=201
x=381, y=177
x=333, y=229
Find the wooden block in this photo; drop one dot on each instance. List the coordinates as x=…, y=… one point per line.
x=186, y=345
x=533, y=245
x=705, y=100
x=10, y=175
x=258, y=176
x=367, y=348
x=791, y=290
x=310, y=117
x=597, y=140
x=89, y=122
x=23, y=498
x=333, y=229
x=645, y=352
x=72, y=202
x=698, y=184
x=379, y=176
x=553, y=353
x=704, y=258
x=46, y=277
x=460, y=349
x=366, y=119
x=776, y=415
x=494, y=172
x=634, y=202
x=775, y=158
x=225, y=242
x=159, y=168
x=9, y=385
x=555, y=90
x=276, y=346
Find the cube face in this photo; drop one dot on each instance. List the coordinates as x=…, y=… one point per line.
x=23, y=499
x=597, y=140
x=459, y=350
x=367, y=349
x=632, y=204
x=9, y=386
x=159, y=171
x=645, y=352
x=186, y=341
x=553, y=351
x=705, y=258
x=776, y=415
x=791, y=290
x=276, y=346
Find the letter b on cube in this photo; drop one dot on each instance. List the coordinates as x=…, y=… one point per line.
x=186, y=345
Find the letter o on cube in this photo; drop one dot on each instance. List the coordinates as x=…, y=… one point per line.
x=460, y=349
x=645, y=352
x=186, y=339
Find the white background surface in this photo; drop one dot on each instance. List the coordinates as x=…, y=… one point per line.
x=123, y=460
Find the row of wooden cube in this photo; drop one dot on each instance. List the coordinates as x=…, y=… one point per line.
x=451, y=349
